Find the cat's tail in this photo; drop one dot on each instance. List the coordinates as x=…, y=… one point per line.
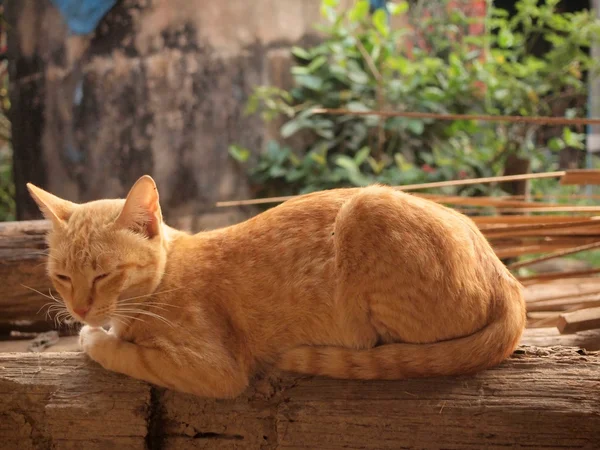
x=483, y=349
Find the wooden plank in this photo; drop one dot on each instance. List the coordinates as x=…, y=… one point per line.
x=551, y=337
x=561, y=289
x=588, y=226
x=580, y=177
x=63, y=401
x=553, y=255
x=564, y=304
x=504, y=407
x=482, y=201
x=547, y=277
x=64, y=344
x=22, y=263
x=584, y=319
x=509, y=250
x=539, y=398
x=503, y=221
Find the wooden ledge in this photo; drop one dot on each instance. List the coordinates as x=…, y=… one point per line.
x=540, y=398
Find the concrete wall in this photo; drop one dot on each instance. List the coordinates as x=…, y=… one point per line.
x=159, y=88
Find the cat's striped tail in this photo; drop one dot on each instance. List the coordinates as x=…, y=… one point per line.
x=483, y=349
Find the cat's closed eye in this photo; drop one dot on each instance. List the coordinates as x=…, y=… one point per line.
x=101, y=277
x=63, y=278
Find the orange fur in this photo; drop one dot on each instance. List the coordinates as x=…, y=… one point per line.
x=367, y=283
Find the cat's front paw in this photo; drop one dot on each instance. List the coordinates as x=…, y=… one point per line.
x=96, y=342
x=89, y=336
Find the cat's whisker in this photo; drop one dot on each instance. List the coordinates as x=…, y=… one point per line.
x=60, y=317
x=41, y=252
x=51, y=307
x=125, y=316
x=145, y=313
x=150, y=305
x=152, y=294
x=52, y=312
x=48, y=314
x=41, y=293
x=119, y=319
x=59, y=300
x=46, y=254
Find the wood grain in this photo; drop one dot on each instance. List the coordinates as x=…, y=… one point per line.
x=22, y=263
x=539, y=398
x=584, y=319
x=550, y=337
x=531, y=401
x=63, y=401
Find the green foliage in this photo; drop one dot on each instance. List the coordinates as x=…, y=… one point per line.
x=364, y=64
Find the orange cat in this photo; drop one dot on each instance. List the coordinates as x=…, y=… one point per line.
x=367, y=283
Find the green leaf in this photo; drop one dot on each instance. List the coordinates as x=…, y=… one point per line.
x=318, y=158
x=361, y=155
x=505, y=38
x=310, y=81
x=572, y=139
x=238, y=153
x=301, y=53
x=556, y=144
x=277, y=172
x=294, y=175
x=357, y=75
x=357, y=106
x=359, y=11
x=316, y=63
x=352, y=171
x=380, y=21
x=416, y=126
x=292, y=126
x=300, y=70
x=401, y=162
x=571, y=113
x=568, y=136
x=501, y=94
x=398, y=8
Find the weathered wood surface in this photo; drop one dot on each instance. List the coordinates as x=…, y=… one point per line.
x=63, y=401
x=584, y=319
x=540, y=398
x=550, y=337
x=22, y=263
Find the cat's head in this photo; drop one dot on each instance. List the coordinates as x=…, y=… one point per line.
x=103, y=253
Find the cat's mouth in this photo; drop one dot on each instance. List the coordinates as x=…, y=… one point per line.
x=95, y=322
x=91, y=318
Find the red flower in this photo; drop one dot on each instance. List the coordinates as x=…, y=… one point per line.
x=462, y=174
x=427, y=168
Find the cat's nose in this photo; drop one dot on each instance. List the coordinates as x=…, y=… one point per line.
x=81, y=312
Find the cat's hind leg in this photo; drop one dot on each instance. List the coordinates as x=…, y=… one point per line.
x=363, y=269
x=403, y=265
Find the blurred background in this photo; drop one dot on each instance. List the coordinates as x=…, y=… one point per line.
x=215, y=99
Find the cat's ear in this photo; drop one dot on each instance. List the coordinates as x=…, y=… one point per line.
x=141, y=212
x=53, y=208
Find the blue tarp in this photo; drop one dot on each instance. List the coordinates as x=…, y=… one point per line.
x=83, y=16
x=378, y=4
